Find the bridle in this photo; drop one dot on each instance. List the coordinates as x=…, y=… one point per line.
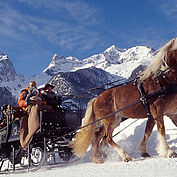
x=164, y=90
x=167, y=70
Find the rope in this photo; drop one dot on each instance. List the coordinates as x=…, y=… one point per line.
x=124, y=128
x=98, y=87
x=118, y=85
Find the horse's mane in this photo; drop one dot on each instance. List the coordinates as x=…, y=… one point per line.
x=159, y=61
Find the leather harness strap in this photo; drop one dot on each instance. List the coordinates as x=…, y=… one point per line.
x=162, y=92
x=143, y=99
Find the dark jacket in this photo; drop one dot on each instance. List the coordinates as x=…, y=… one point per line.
x=51, y=99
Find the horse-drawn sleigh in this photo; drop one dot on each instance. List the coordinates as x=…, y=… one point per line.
x=152, y=95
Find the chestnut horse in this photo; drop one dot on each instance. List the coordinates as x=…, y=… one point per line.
x=160, y=75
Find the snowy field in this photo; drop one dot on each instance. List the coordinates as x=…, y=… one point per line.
x=114, y=166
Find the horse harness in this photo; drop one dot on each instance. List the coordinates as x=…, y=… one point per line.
x=160, y=93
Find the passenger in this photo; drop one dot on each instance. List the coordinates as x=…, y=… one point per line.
x=23, y=100
x=50, y=97
x=30, y=100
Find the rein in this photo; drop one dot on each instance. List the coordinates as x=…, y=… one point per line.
x=98, y=120
x=100, y=87
x=163, y=91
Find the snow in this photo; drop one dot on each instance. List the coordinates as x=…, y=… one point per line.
x=111, y=60
x=113, y=165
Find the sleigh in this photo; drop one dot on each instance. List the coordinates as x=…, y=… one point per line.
x=50, y=140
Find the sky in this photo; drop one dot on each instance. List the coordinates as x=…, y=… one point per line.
x=32, y=31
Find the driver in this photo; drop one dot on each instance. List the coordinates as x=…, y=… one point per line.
x=50, y=97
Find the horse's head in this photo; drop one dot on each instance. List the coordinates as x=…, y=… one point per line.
x=165, y=58
x=170, y=60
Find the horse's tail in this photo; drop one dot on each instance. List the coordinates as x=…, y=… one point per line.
x=84, y=137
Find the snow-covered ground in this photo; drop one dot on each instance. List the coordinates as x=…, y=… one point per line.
x=114, y=166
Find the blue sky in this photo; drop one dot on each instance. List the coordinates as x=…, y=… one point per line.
x=31, y=31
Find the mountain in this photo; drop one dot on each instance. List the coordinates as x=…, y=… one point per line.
x=75, y=86
x=61, y=64
x=6, y=97
x=112, y=64
x=7, y=70
x=114, y=60
x=9, y=79
x=71, y=75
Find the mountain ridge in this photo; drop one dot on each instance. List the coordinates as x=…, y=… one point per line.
x=115, y=61
x=112, y=56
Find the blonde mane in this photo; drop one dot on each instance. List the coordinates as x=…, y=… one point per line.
x=159, y=61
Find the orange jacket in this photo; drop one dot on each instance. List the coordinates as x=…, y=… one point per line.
x=21, y=98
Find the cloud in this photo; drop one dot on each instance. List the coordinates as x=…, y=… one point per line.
x=79, y=11
x=170, y=9
x=24, y=27
x=144, y=36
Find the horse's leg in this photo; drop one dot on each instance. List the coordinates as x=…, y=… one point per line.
x=142, y=146
x=96, y=154
x=103, y=147
x=163, y=148
x=109, y=140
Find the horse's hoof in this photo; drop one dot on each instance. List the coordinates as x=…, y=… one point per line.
x=173, y=155
x=127, y=159
x=98, y=161
x=145, y=155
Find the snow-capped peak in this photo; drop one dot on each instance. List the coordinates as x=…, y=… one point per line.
x=60, y=64
x=3, y=56
x=7, y=70
x=113, y=48
x=112, y=60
